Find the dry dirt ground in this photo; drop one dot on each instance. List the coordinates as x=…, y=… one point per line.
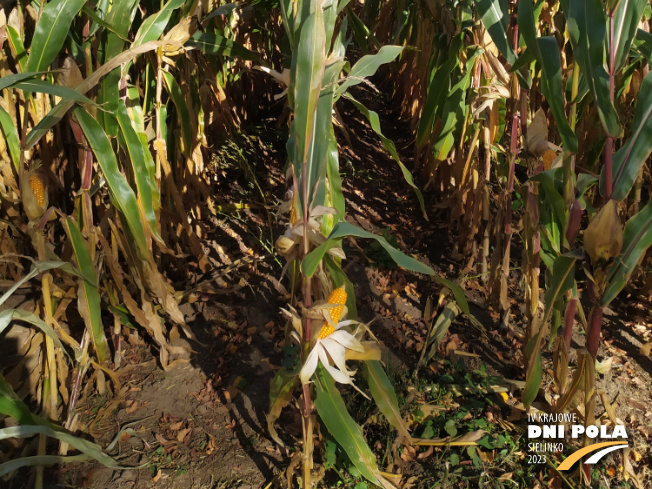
x=202, y=425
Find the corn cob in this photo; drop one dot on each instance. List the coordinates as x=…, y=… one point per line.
x=38, y=189
x=337, y=297
x=34, y=195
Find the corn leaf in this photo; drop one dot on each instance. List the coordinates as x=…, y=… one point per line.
x=11, y=80
x=154, y=25
x=388, y=144
x=51, y=31
x=626, y=19
x=339, y=279
x=58, y=90
x=11, y=137
x=496, y=19
x=218, y=45
x=384, y=395
x=280, y=395
x=88, y=449
x=143, y=168
x=121, y=193
x=22, y=315
x=183, y=113
x=225, y=9
x=586, y=23
x=628, y=159
x=637, y=238
x=60, y=110
x=17, y=47
x=534, y=372
x=546, y=52
x=39, y=460
x=367, y=66
x=437, y=92
x=11, y=405
x=88, y=296
x=36, y=268
x=643, y=44
x=563, y=279
x=344, y=229
x=308, y=74
x=340, y=424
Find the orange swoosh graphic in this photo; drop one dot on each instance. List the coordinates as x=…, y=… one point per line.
x=568, y=463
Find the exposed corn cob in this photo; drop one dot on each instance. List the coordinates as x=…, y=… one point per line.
x=338, y=296
x=38, y=189
x=34, y=195
x=325, y=331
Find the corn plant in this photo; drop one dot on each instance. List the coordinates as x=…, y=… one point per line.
x=318, y=76
x=75, y=126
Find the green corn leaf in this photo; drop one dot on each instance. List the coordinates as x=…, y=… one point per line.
x=563, y=278
x=437, y=92
x=628, y=159
x=308, y=74
x=58, y=90
x=120, y=15
x=101, y=22
x=388, y=144
x=121, y=193
x=534, y=373
x=384, y=395
x=36, y=268
x=280, y=395
x=643, y=44
x=439, y=328
x=11, y=137
x=345, y=430
x=495, y=17
x=140, y=160
x=11, y=80
x=18, y=47
x=218, y=45
x=367, y=66
x=88, y=449
x=225, y=9
x=586, y=23
x=363, y=36
x=9, y=315
x=88, y=296
x=60, y=110
x=637, y=238
x=344, y=229
x=51, y=31
x=626, y=19
x=154, y=25
x=546, y=52
x=39, y=461
x=183, y=113
x=11, y=405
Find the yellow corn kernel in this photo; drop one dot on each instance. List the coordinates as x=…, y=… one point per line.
x=38, y=189
x=338, y=296
x=325, y=331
